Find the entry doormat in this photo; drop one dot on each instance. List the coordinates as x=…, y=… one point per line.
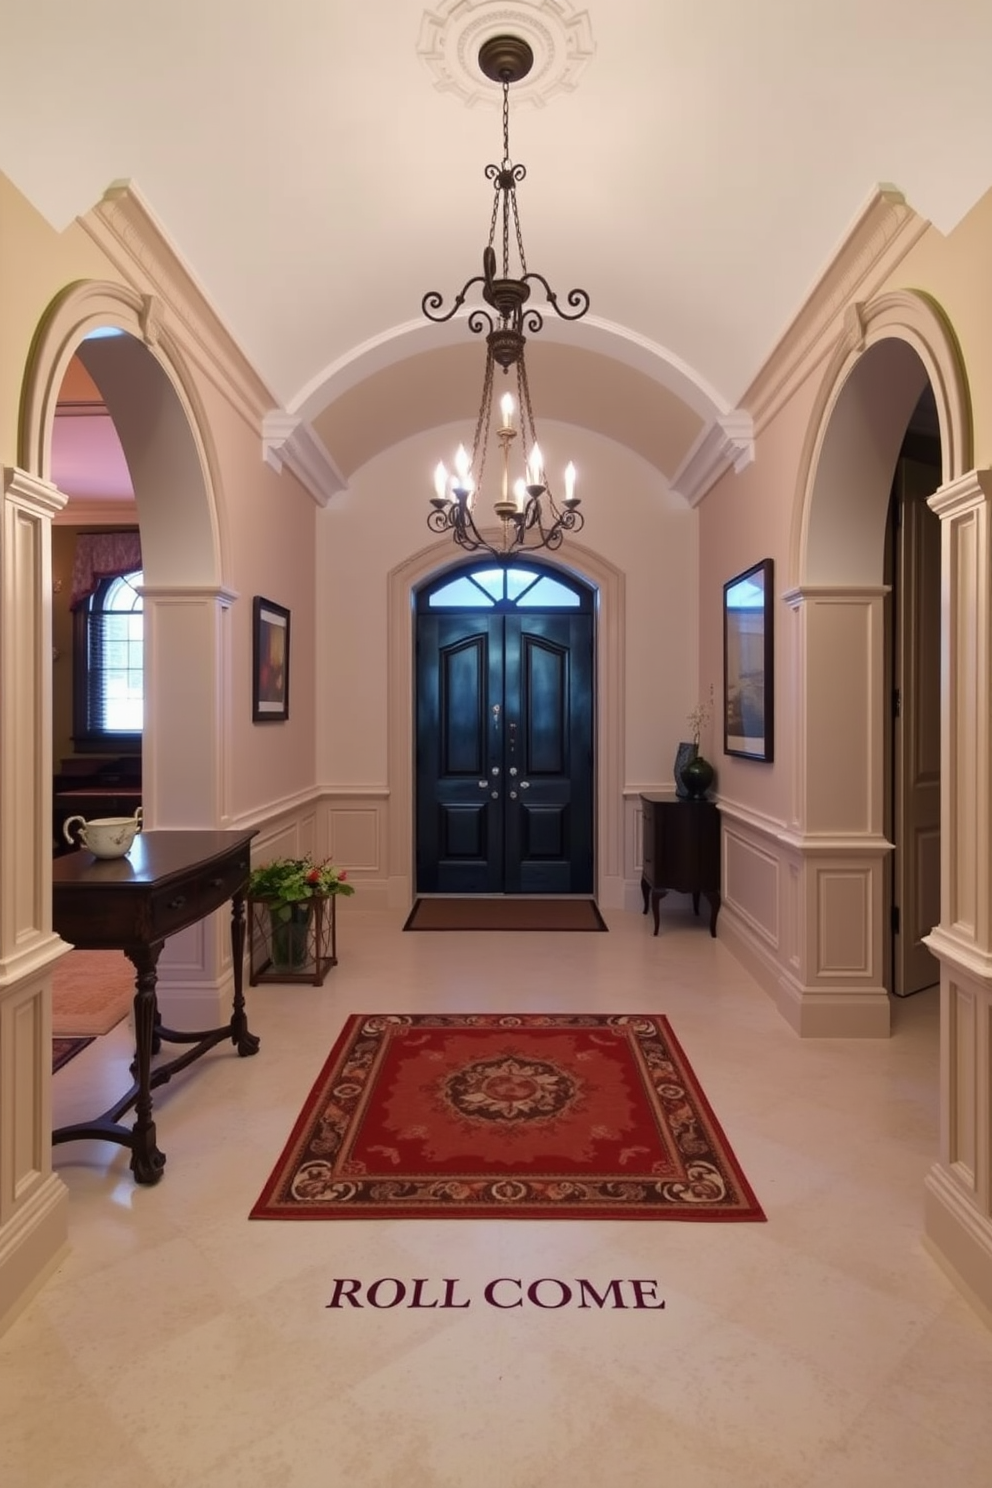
x=481, y=913
x=512, y=1116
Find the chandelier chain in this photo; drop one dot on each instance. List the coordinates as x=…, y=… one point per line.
x=480, y=443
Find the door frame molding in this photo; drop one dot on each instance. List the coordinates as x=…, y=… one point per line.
x=610, y=687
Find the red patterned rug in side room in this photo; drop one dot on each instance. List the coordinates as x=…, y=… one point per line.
x=512, y=1116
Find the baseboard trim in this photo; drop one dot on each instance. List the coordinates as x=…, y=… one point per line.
x=812, y=1012
x=33, y=1244
x=959, y=1239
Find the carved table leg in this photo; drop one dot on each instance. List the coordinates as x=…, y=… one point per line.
x=656, y=896
x=147, y=1161
x=247, y=1043
x=645, y=893
x=714, y=900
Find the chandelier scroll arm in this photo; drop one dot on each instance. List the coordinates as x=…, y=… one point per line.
x=434, y=299
x=578, y=299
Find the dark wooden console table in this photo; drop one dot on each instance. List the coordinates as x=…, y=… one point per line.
x=681, y=851
x=167, y=882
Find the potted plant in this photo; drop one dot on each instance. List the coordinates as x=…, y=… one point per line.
x=293, y=893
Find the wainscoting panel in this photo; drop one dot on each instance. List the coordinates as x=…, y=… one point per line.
x=354, y=829
x=751, y=884
x=355, y=838
x=24, y=1034
x=962, y=1030
x=844, y=922
x=792, y=948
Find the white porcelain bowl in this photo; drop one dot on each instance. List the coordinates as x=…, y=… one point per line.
x=105, y=837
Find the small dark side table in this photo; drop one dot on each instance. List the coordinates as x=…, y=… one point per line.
x=167, y=882
x=680, y=851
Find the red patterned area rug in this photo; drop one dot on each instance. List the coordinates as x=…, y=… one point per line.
x=64, y=1049
x=484, y=1115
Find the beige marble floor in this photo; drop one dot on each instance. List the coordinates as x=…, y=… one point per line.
x=181, y=1345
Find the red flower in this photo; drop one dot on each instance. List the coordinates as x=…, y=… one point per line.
x=313, y=876
x=343, y=876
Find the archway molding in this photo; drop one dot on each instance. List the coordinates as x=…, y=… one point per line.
x=184, y=463
x=402, y=583
x=820, y=526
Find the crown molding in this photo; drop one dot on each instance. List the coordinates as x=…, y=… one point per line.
x=79, y=511
x=878, y=240
x=290, y=443
x=727, y=443
x=125, y=229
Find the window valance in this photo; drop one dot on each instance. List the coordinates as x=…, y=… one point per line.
x=102, y=555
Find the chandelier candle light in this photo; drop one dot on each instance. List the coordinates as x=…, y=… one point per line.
x=526, y=509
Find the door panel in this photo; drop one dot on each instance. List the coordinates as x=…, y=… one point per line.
x=459, y=681
x=549, y=741
x=504, y=753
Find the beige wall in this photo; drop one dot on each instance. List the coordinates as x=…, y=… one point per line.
x=632, y=521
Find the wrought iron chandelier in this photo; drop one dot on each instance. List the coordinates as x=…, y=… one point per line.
x=526, y=509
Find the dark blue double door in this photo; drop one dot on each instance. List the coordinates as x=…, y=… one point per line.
x=504, y=753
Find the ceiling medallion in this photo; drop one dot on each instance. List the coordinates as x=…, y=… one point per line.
x=454, y=31
x=525, y=507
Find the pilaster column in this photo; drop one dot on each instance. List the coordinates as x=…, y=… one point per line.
x=958, y=1205
x=837, y=700
x=33, y=1200
x=186, y=769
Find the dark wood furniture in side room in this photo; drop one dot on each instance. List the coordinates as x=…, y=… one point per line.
x=167, y=882
x=680, y=851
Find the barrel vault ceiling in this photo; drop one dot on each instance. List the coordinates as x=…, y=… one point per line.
x=318, y=165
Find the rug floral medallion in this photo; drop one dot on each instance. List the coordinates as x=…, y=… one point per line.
x=520, y=1116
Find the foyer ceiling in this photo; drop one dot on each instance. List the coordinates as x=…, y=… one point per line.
x=319, y=166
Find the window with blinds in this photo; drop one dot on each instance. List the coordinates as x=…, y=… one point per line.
x=109, y=671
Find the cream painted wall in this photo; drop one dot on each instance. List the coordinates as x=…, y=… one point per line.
x=745, y=518
x=631, y=519
x=267, y=540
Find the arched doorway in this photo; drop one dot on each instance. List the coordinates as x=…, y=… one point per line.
x=896, y=347
x=505, y=738
x=153, y=405
x=153, y=402
x=893, y=348
x=609, y=583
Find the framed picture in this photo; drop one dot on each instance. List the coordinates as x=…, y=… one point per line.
x=748, y=656
x=270, y=662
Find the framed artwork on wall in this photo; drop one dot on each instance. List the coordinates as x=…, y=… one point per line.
x=748, y=664
x=270, y=662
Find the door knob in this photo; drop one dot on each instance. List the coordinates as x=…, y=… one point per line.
x=483, y=784
x=513, y=795
x=525, y=785
x=495, y=795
